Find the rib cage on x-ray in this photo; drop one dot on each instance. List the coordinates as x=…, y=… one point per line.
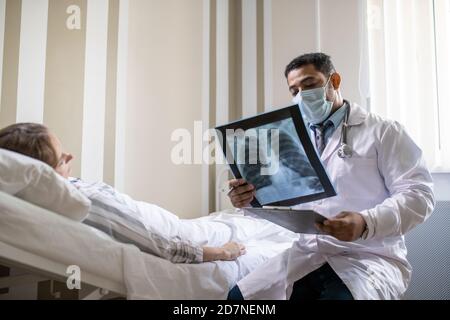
x=290, y=155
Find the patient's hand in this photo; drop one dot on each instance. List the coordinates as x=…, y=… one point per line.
x=232, y=251
x=228, y=252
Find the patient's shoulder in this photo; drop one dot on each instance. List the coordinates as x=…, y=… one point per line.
x=91, y=188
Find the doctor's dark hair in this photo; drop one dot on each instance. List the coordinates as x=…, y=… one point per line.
x=320, y=61
x=30, y=139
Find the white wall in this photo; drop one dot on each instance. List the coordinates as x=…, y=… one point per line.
x=339, y=37
x=164, y=94
x=303, y=26
x=293, y=33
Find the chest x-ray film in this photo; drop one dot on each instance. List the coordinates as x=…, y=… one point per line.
x=274, y=152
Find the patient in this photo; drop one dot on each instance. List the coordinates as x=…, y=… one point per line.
x=36, y=141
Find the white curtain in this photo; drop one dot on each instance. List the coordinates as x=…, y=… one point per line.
x=409, y=44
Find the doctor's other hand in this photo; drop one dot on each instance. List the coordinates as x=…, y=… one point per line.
x=228, y=252
x=241, y=193
x=346, y=226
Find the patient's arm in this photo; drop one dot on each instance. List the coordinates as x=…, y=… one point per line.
x=228, y=252
x=114, y=213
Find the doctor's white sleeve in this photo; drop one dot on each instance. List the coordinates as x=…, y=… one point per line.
x=408, y=181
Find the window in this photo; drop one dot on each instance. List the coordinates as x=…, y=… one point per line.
x=409, y=46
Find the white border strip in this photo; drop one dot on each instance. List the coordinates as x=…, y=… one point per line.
x=364, y=61
x=318, y=26
x=223, y=85
x=121, y=95
x=2, y=40
x=249, y=59
x=32, y=58
x=94, y=90
x=268, y=56
x=206, y=96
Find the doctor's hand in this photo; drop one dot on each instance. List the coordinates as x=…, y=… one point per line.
x=346, y=226
x=241, y=194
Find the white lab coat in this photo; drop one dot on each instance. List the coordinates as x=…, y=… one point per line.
x=386, y=181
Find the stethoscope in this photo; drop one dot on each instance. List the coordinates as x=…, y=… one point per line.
x=345, y=151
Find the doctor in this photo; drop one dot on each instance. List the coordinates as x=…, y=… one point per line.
x=384, y=190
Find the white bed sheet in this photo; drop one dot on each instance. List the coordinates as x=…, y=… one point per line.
x=57, y=238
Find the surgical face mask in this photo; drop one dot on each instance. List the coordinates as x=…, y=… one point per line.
x=314, y=105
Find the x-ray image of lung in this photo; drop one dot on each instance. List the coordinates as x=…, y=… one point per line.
x=277, y=165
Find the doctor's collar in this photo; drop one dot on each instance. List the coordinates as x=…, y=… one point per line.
x=357, y=114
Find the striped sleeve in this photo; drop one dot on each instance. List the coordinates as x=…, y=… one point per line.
x=114, y=219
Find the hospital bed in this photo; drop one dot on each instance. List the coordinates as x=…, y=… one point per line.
x=45, y=244
x=28, y=242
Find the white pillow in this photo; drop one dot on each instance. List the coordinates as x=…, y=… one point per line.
x=36, y=182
